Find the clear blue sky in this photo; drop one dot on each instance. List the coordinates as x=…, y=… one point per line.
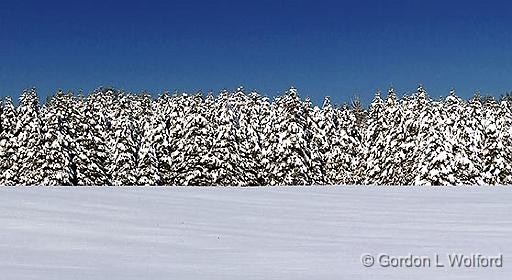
x=336, y=48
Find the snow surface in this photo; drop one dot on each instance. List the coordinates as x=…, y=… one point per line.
x=247, y=233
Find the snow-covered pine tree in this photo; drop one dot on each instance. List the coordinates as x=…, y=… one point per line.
x=123, y=145
x=325, y=145
x=167, y=129
x=28, y=140
x=403, y=138
x=393, y=156
x=496, y=155
x=192, y=140
x=148, y=129
x=505, y=116
x=349, y=139
x=8, y=148
x=224, y=162
x=436, y=157
x=288, y=150
x=91, y=145
x=316, y=164
x=417, y=126
x=467, y=128
x=55, y=151
x=374, y=141
x=254, y=118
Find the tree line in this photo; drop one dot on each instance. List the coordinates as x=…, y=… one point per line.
x=239, y=138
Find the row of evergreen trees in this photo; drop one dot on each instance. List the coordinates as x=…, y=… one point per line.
x=238, y=138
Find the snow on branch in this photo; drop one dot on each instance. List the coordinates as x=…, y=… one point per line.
x=243, y=139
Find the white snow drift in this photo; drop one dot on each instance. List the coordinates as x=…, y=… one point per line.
x=248, y=233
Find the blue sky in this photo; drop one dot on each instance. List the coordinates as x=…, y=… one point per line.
x=336, y=48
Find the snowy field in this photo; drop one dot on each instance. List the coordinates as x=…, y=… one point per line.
x=249, y=233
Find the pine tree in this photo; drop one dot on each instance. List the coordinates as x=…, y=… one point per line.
x=288, y=149
x=374, y=140
x=194, y=137
x=436, y=156
x=505, y=116
x=28, y=140
x=350, y=148
x=254, y=119
x=467, y=129
x=91, y=145
x=496, y=155
x=8, y=148
x=417, y=128
x=315, y=164
x=147, y=161
x=123, y=145
x=325, y=145
x=224, y=162
x=166, y=130
x=55, y=151
x=393, y=155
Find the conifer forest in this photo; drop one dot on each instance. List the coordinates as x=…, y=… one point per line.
x=240, y=138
